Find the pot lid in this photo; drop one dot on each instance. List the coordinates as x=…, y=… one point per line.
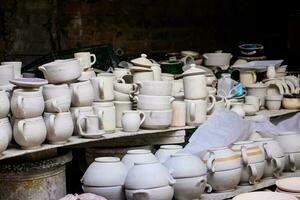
x=142, y=61
x=193, y=71
x=289, y=184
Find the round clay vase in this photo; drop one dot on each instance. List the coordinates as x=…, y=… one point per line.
x=165, y=151
x=138, y=156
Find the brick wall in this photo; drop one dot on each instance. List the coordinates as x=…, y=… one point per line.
x=30, y=28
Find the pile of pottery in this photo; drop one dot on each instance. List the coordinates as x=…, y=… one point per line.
x=196, y=95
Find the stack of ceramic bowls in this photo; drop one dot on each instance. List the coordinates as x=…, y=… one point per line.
x=5, y=126
x=155, y=101
x=289, y=141
x=165, y=151
x=86, y=60
x=196, y=95
x=253, y=161
x=27, y=106
x=289, y=186
x=190, y=178
x=105, y=177
x=224, y=168
x=259, y=90
x=57, y=113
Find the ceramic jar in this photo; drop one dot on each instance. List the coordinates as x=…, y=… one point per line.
x=194, y=82
x=151, y=102
x=5, y=127
x=5, y=104
x=253, y=161
x=224, y=168
x=30, y=133
x=61, y=71
x=155, y=88
x=132, y=120
x=78, y=112
x=57, y=98
x=108, y=112
x=196, y=110
x=59, y=127
x=17, y=67
x=103, y=86
x=237, y=107
x=218, y=59
x=82, y=94
x=121, y=106
x=247, y=78
x=142, y=178
x=138, y=156
x=6, y=74
x=273, y=102
x=165, y=151
x=289, y=141
x=190, y=178
x=274, y=156
x=259, y=90
x=27, y=103
x=179, y=113
x=105, y=177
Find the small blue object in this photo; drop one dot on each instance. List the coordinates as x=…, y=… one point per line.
x=238, y=90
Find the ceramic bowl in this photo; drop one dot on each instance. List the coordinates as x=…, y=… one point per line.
x=138, y=155
x=157, y=119
x=264, y=195
x=125, y=88
x=249, y=109
x=292, y=161
x=291, y=102
x=289, y=141
x=273, y=102
x=160, y=193
x=165, y=151
x=222, y=181
x=119, y=96
x=149, y=102
x=247, y=176
x=156, y=88
x=115, y=192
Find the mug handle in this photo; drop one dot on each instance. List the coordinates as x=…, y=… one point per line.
x=76, y=95
x=277, y=165
x=120, y=80
x=292, y=162
x=267, y=151
x=52, y=124
x=211, y=162
x=94, y=59
x=80, y=131
x=20, y=103
x=171, y=99
x=253, y=172
x=135, y=88
x=21, y=127
x=213, y=102
x=142, y=116
x=193, y=111
x=208, y=188
x=244, y=155
x=100, y=118
x=55, y=106
x=141, y=195
x=253, y=74
x=101, y=86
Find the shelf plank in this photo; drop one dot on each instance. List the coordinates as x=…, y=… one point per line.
x=75, y=141
x=264, y=183
x=273, y=113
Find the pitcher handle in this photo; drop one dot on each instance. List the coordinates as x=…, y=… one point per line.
x=292, y=162
x=94, y=59
x=267, y=151
x=100, y=118
x=76, y=94
x=52, y=124
x=142, y=116
x=20, y=103
x=277, y=165
x=254, y=76
x=55, y=106
x=253, y=172
x=21, y=127
x=80, y=131
x=244, y=155
x=213, y=102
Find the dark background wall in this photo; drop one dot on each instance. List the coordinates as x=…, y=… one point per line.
x=31, y=28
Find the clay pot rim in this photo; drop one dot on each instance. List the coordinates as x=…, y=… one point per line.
x=107, y=159
x=171, y=146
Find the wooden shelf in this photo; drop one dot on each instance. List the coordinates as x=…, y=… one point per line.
x=75, y=141
x=264, y=183
x=273, y=113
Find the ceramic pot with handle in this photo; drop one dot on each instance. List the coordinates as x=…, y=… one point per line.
x=121, y=106
x=253, y=161
x=78, y=112
x=194, y=82
x=82, y=94
x=30, y=133
x=132, y=120
x=157, y=119
x=5, y=104
x=59, y=127
x=274, y=156
x=57, y=97
x=224, y=168
x=197, y=110
x=165, y=151
x=259, y=90
x=27, y=103
x=103, y=86
x=86, y=59
x=93, y=125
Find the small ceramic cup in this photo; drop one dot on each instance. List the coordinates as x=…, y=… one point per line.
x=93, y=124
x=132, y=120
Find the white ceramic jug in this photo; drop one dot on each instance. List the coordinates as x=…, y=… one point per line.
x=132, y=120
x=82, y=93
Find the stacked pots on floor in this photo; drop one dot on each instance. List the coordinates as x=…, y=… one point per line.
x=196, y=96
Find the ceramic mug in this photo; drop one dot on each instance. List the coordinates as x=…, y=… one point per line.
x=197, y=110
x=51, y=91
x=132, y=120
x=6, y=74
x=17, y=67
x=254, y=100
x=103, y=86
x=179, y=113
x=78, y=112
x=30, y=133
x=82, y=94
x=5, y=104
x=109, y=115
x=59, y=127
x=121, y=106
x=93, y=124
x=86, y=59
x=247, y=77
x=27, y=103
x=58, y=104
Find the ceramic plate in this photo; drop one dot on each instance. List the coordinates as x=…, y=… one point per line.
x=289, y=184
x=94, y=135
x=291, y=193
x=29, y=82
x=264, y=196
